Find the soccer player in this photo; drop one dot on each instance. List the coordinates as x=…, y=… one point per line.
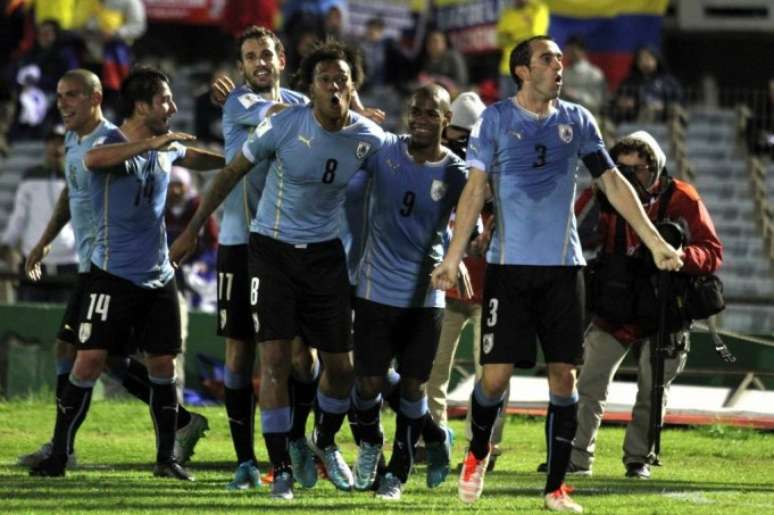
x=526, y=147
x=415, y=184
x=79, y=95
x=299, y=282
x=130, y=287
x=261, y=59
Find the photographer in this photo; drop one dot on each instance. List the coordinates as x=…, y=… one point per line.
x=641, y=160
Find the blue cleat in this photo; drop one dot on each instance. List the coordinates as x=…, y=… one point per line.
x=337, y=469
x=367, y=465
x=282, y=485
x=247, y=476
x=438, y=459
x=302, y=462
x=389, y=488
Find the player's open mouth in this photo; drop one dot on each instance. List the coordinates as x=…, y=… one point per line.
x=335, y=99
x=262, y=74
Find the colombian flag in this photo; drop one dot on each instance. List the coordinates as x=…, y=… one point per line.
x=612, y=30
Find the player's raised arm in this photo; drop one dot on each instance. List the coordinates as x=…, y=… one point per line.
x=200, y=159
x=114, y=154
x=222, y=184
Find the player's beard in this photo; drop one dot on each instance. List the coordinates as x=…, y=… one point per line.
x=258, y=87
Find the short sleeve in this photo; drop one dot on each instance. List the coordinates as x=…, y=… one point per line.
x=481, y=146
x=262, y=142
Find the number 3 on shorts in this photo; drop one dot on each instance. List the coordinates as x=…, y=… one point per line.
x=491, y=320
x=254, y=291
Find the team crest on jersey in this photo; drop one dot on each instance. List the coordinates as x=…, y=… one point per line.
x=437, y=190
x=223, y=318
x=84, y=332
x=487, y=342
x=565, y=132
x=362, y=150
x=256, y=323
x=248, y=100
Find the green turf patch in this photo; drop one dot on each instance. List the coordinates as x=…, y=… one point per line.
x=712, y=469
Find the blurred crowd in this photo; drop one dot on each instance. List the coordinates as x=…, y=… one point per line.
x=46, y=38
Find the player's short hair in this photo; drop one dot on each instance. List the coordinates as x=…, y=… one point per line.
x=437, y=92
x=521, y=55
x=330, y=50
x=633, y=145
x=256, y=32
x=141, y=85
x=87, y=79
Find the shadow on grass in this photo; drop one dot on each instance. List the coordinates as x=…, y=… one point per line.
x=616, y=486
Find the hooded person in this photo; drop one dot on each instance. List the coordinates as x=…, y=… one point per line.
x=466, y=109
x=642, y=161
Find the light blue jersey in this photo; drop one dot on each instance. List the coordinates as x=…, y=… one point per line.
x=78, y=179
x=354, y=221
x=409, y=211
x=129, y=202
x=242, y=112
x=307, y=180
x=532, y=165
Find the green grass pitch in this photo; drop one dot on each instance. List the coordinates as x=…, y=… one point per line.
x=713, y=469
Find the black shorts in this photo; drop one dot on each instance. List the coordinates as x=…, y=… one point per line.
x=69, y=325
x=302, y=291
x=113, y=308
x=385, y=332
x=234, y=318
x=525, y=303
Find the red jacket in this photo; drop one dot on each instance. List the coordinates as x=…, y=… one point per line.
x=703, y=252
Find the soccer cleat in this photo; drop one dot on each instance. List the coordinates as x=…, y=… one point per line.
x=246, y=476
x=35, y=458
x=302, y=461
x=367, y=465
x=172, y=470
x=471, y=482
x=638, y=470
x=52, y=466
x=438, y=459
x=187, y=436
x=560, y=500
x=389, y=488
x=282, y=485
x=571, y=469
x=336, y=468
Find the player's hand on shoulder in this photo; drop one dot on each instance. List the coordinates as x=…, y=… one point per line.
x=220, y=89
x=183, y=247
x=374, y=114
x=32, y=265
x=162, y=141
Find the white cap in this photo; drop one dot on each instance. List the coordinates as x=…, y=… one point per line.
x=181, y=175
x=466, y=109
x=651, y=142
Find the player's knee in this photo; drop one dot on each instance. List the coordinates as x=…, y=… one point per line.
x=161, y=366
x=561, y=379
x=411, y=389
x=64, y=350
x=239, y=356
x=88, y=366
x=369, y=387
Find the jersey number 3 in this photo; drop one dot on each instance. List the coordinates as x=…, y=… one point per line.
x=540, y=150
